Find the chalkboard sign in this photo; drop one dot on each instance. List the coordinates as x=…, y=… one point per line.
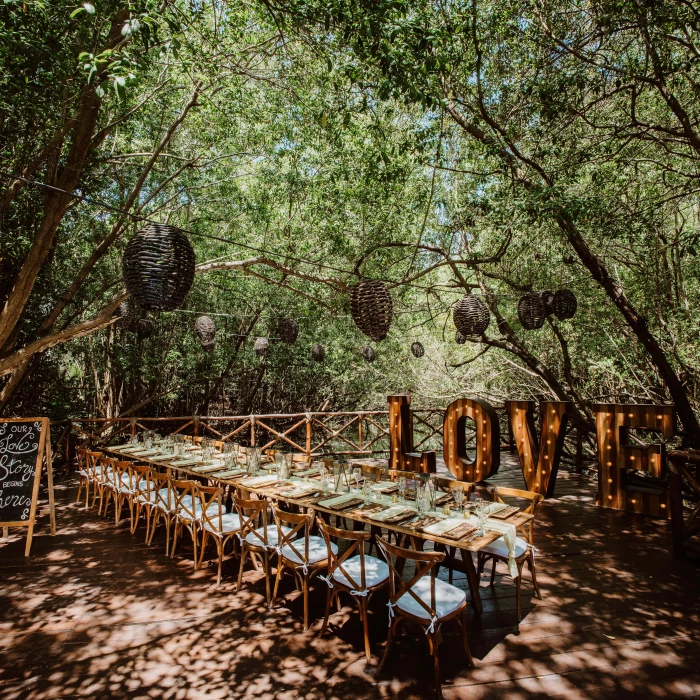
x=23, y=444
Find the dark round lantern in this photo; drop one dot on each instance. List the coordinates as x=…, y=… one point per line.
x=318, y=353
x=145, y=328
x=372, y=308
x=532, y=311
x=471, y=316
x=564, y=304
x=288, y=330
x=417, y=349
x=261, y=347
x=205, y=328
x=124, y=315
x=158, y=267
x=368, y=353
x=460, y=339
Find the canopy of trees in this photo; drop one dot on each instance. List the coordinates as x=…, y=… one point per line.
x=486, y=147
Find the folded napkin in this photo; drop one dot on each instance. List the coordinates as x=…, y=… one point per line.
x=463, y=531
x=309, y=472
x=420, y=524
x=443, y=498
x=144, y=453
x=183, y=462
x=206, y=468
x=339, y=501
x=298, y=491
x=266, y=480
x=364, y=510
x=393, y=514
x=229, y=473
x=387, y=488
x=160, y=458
x=125, y=447
x=509, y=537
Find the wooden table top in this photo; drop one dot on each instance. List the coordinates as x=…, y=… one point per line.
x=473, y=545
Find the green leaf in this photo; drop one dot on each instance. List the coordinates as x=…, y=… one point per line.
x=76, y=12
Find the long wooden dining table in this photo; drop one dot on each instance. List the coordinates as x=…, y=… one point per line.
x=464, y=564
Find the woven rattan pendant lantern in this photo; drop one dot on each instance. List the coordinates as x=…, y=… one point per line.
x=288, y=330
x=262, y=345
x=460, y=339
x=532, y=311
x=372, y=308
x=417, y=349
x=158, y=267
x=564, y=304
x=205, y=328
x=318, y=353
x=471, y=316
x=368, y=353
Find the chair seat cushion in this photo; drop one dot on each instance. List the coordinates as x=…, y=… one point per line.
x=376, y=572
x=161, y=499
x=499, y=548
x=447, y=598
x=230, y=522
x=83, y=473
x=272, y=536
x=317, y=551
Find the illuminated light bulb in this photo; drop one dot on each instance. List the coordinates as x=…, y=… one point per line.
x=546, y=456
x=549, y=442
x=663, y=505
x=634, y=500
x=609, y=430
x=520, y=425
x=522, y=439
x=610, y=498
x=659, y=418
x=610, y=481
x=610, y=464
x=484, y=422
x=554, y=413
x=609, y=447
x=632, y=458
x=529, y=471
x=526, y=454
x=629, y=415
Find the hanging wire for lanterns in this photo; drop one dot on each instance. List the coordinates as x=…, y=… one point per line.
x=158, y=267
x=372, y=308
x=288, y=330
x=471, y=316
x=417, y=349
x=564, y=304
x=205, y=328
x=368, y=353
x=318, y=352
x=262, y=345
x=532, y=311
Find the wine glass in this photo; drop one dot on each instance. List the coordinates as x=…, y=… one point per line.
x=357, y=475
x=458, y=496
x=402, y=488
x=366, y=491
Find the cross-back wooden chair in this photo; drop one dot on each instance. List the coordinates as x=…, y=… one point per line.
x=299, y=551
x=105, y=482
x=524, y=546
x=425, y=600
x=353, y=572
x=120, y=489
x=185, y=505
x=258, y=539
x=215, y=523
x=139, y=494
x=83, y=475
x=160, y=505
x=100, y=464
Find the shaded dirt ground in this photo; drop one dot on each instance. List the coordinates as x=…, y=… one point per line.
x=94, y=612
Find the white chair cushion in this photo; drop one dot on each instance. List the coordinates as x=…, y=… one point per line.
x=447, y=598
x=82, y=472
x=272, y=536
x=317, y=550
x=161, y=500
x=376, y=572
x=230, y=522
x=500, y=549
x=212, y=512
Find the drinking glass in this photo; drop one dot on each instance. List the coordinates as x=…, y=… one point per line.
x=420, y=502
x=458, y=495
x=366, y=491
x=480, y=510
x=357, y=475
x=324, y=481
x=402, y=488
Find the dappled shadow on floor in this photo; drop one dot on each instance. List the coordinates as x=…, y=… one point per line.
x=94, y=612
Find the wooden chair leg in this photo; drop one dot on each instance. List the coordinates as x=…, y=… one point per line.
x=450, y=570
x=531, y=566
x=462, y=619
x=266, y=564
x=80, y=488
x=244, y=552
x=220, y=552
x=305, y=588
x=87, y=494
x=175, y=536
x=433, y=644
x=193, y=532
x=329, y=600
x=493, y=572
x=280, y=569
x=204, y=545
x=518, y=593
x=389, y=640
x=365, y=630
x=168, y=525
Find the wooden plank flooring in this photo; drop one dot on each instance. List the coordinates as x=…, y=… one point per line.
x=96, y=613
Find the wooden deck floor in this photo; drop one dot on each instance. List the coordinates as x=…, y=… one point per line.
x=96, y=613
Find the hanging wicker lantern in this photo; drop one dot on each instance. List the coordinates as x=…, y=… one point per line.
x=262, y=345
x=158, y=267
x=417, y=349
x=288, y=330
x=532, y=311
x=371, y=308
x=564, y=304
x=124, y=315
x=205, y=328
x=145, y=328
x=318, y=353
x=471, y=316
x=368, y=353
x=460, y=339
x=547, y=299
